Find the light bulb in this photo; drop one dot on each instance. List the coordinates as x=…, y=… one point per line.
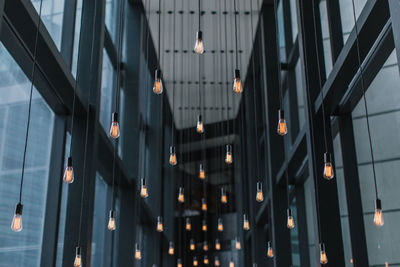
x=171, y=249
x=270, y=251
x=138, y=253
x=143, y=189
x=290, y=219
x=200, y=125
x=282, y=126
x=216, y=261
x=188, y=224
x=231, y=264
x=205, y=246
x=202, y=173
x=192, y=245
x=323, y=259
x=237, y=244
x=228, y=155
x=204, y=225
x=237, y=83
x=217, y=244
x=224, y=198
x=199, y=45
x=158, y=85
x=386, y=264
x=328, y=167
x=68, y=176
x=181, y=195
x=206, y=261
x=114, y=128
x=220, y=225
x=172, y=156
x=78, y=257
x=195, y=261
x=378, y=217
x=160, y=226
x=179, y=263
x=203, y=204
x=246, y=223
x=16, y=224
x=111, y=221
x=259, y=195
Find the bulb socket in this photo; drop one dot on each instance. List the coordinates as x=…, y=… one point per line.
x=172, y=150
x=188, y=221
x=219, y=220
x=158, y=74
x=69, y=162
x=229, y=148
x=199, y=118
x=78, y=251
x=378, y=204
x=143, y=182
x=245, y=218
x=19, y=208
x=171, y=244
x=237, y=74
x=322, y=247
x=114, y=117
x=159, y=219
x=281, y=114
x=327, y=157
x=269, y=244
x=201, y=167
x=112, y=214
x=289, y=213
x=259, y=186
x=137, y=246
x=199, y=35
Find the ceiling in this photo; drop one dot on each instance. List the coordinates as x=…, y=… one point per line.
x=217, y=24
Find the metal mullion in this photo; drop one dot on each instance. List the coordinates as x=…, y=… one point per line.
x=394, y=7
x=335, y=28
x=68, y=31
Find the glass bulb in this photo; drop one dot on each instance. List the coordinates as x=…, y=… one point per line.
x=188, y=224
x=200, y=125
x=386, y=264
x=138, y=253
x=237, y=83
x=199, y=45
x=192, y=245
x=290, y=219
x=220, y=225
x=171, y=249
x=204, y=225
x=216, y=261
x=160, y=226
x=172, y=156
x=114, y=128
x=224, y=197
x=228, y=155
x=282, y=126
x=270, y=251
x=237, y=244
x=16, y=224
x=195, y=262
x=205, y=246
x=217, y=244
x=259, y=195
x=143, y=189
x=322, y=254
x=68, y=176
x=158, y=85
x=231, y=264
x=246, y=223
x=179, y=263
x=78, y=258
x=203, y=204
x=202, y=173
x=378, y=217
x=328, y=167
x=181, y=195
x=206, y=261
x=111, y=221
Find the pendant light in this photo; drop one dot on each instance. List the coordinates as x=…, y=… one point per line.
x=220, y=225
x=246, y=223
x=206, y=261
x=158, y=87
x=323, y=259
x=181, y=195
x=114, y=128
x=160, y=226
x=231, y=263
x=237, y=82
x=179, y=263
x=172, y=156
x=138, y=253
x=195, y=261
x=216, y=261
x=171, y=248
x=202, y=173
x=224, y=197
x=68, y=176
x=205, y=246
x=217, y=244
x=78, y=257
x=238, y=246
x=259, y=195
x=290, y=219
x=188, y=226
x=228, y=155
x=204, y=225
x=200, y=125
x=270, y=251
x=199, y=45
x=192, y=244
x=111, y=221
x=143, y=188
x=203, y=204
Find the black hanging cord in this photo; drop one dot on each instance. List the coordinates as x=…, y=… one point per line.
x=159, y=31
x=278, y=53
x=173, y=74
x=365, y=100
x=199, y=15
x=236, y=37
x=226, y=72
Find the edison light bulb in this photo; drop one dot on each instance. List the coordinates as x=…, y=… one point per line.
x=172, y=156
x=138, y=253
x=158, y=86
x=270, y=251
x=202, y=173
x=200, y=125
x=160, y=226
x=114, y=128
x=204, y=225
x=179, y=263
x=228, y=155
x=16, y=224
x=231, y=264
x=328, y=168
x=386, y=264
x=111, y=221
x=378, y=217
x=237, y=244
x=195, y=261
x=237, y=83
x=290, y=219
x=188, y=224
x=192, y=245
x=143, y=189
x=224, y=198
x=217, y=244
x=181, y=195
x=78, y=257
x=199, y=45
x=68, y=176
x=282, y=126
x=171, y=249
x=203, y=204
x=322, y=254
x=206, y=261
x=246, y=223
x=220, y=225
x=205, y=246
x=216, y=261
x=259, y=195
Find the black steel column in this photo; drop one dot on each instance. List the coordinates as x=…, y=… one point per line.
x=335, y=28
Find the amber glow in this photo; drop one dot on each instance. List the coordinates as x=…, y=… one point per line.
x=246, y=225
x=290, y=222
x=192, y=245
x=386, y=264
x=171, y=249
x=217, y=245
x=172, y=159
x=158, y=87
x=16, y=224
x=204, y=227
x=323, y=258
x=195, y=262
x=199, y=47
x=160, y=226
x=202, y=173
x=78, y=260
x=188, y=225
x=179, y=263
x=224, y=198
x=378, y=218
x=114, y=129
x=143, y=191
x=200, y=127
x=237, y=245
x=220, y=226
x=68, y=175
x=237, y=86
x=111, y=223
x=228, y=158
x=205, y=246
x=138, y=253
x=231, y=264
x=181, y=197
x=206, y=261
x=270, y=251
x=203, y=205
x=328, y=171
x=216, y=262
x=260, y=196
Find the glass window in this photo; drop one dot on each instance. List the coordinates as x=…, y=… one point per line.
x=293, y=12
x=311, y=216
x=383, y=99
x=107, y=85
x=300, y=94
x=112, y=13
x=24, y=248
x=294, y=237
x=325, y=36
x=281, y=29
x=346, y=14
x=52, y=17
x=76, y=36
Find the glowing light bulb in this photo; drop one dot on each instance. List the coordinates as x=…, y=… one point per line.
x=205, y=246
x=282, y=126
x=158, y=85
x=111, y=221
x=195, y=261
x=179, y=263
x=200, y=125
x=160, y=226
x=328, y=167
x=188, y=224
x=199, y=45
x=68, y=176
x=290, y=219
x=16, y=224
x=237, y=83
x=114, y=128
x=231, y=264
x=171, y=249
x=202, y=173
x=206, y=261
x=78, y=257
x=224, y=198
x=270, y=251
x=386, y=264
x=204, y=225
x=238, y=246
x=246, y=223
x=228, y=155
x=192, y=245
x=217, y=244
x=323, y=259
x=259, y=195
x=172, y=156
x=378, y=217
x=138, y=253
x=220, y=225
x=216, y=261
x=203, y=204
x=143, y=188
x=181, y=195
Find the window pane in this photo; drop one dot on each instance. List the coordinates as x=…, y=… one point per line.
x=325, y=37
x=281, y=30
x=76, y=38
x=311, y=216
x=24, y=248
x=293, y=12
x=300, y=94
x=107, y=85
x=346, y=14
x=112, y=13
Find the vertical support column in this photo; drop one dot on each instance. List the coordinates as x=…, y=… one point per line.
x=394, y=7
x=335, y=28
x=1, y=12
x=302, y=226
